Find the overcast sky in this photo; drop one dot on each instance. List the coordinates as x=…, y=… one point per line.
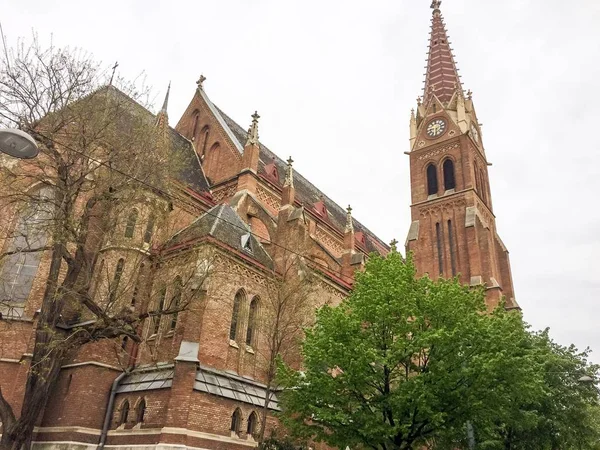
x=335, y=80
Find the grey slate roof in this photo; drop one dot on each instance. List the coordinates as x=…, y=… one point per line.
x=306, y=192
x=147, y=379
x=234, y=387
x=208, y=379
x=190, y=172
x=223, y=223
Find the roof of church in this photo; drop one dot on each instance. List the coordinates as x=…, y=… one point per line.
x=223, y=223
x=442, y=77
x=190, y=171
x=306, y=193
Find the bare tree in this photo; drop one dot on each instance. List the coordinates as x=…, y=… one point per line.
x=100, y=157
x=289, y=308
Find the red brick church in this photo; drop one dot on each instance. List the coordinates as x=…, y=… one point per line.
x=237, y=215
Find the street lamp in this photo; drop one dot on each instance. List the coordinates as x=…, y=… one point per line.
x=18, y=144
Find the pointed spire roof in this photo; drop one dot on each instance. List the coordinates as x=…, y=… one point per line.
x=166, y=102
x=442, y=77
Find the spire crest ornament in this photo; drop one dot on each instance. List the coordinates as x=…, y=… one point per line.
x=394, y=246
x=289, y=174
x=253, y=131
x=200, y=82
x=349, y=221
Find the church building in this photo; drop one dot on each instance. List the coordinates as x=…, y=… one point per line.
x=240, y=234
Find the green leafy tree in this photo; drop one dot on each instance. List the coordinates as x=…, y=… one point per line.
x=404, y=361
x=564, y=413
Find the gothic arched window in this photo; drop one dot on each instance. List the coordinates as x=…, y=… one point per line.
x=124, y=413
x=235, y=315
x=452, y=248
x=140, y=411
x=162, y=295
x=432, y=180
x=252, y=318
x=252, y=423
x=236, y=421
x=449, y=177
x=114, y=286
x=175, y=301
x=196, y=120
x=205, y=132
x=440, y=247
x=131, y=223
x=149, y=228
x=25, y=247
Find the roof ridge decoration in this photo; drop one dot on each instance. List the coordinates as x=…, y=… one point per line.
x=289, y=174
x=349, y=221
x=442, y=74
x=200, y=82
x=253, y=130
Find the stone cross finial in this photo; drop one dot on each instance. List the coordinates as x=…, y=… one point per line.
x=253, y=131
x=349, y=222
x=201, y=81
x=289, y=174
x=470, y=94
x=435, y=4
x=394, y=245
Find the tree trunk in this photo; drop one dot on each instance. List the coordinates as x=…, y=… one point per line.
x=45, y=364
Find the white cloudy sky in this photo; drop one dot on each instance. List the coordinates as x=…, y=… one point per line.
x=334, y=82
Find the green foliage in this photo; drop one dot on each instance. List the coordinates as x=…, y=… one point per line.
x=286, y=443
x=407, y=361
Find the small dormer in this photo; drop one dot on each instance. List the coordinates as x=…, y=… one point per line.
x=321, y=208
x=359, y=236
x=271, y=172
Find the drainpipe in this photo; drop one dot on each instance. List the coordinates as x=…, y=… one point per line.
x=109, y=409
x=113, y=393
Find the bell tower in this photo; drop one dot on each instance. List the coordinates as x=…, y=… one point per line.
x=453, y=230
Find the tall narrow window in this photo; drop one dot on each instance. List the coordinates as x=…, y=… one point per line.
x=252, y=422
x=440, y=247
x=452, y=248
x=432, y=180
x=252, y=316
x=124, y=412
x=235, y=315
x=140, y=411
x=483, y=186
x=205, y=132
x=114, y=286
x=195, y=126
x=138, y=283
x=477, y=184
x=236, y=421
x=175, y=301
x=449, y=177
x=26, y=244
x=149, y=228
x=162, y=295
x=131, y=222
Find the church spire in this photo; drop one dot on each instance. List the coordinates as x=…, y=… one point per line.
x=442, y=77
x=166, y=102
x=162, y=118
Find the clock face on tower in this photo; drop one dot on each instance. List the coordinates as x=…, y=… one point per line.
x=436, y=128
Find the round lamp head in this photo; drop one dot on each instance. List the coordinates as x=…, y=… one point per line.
x=18, y=144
